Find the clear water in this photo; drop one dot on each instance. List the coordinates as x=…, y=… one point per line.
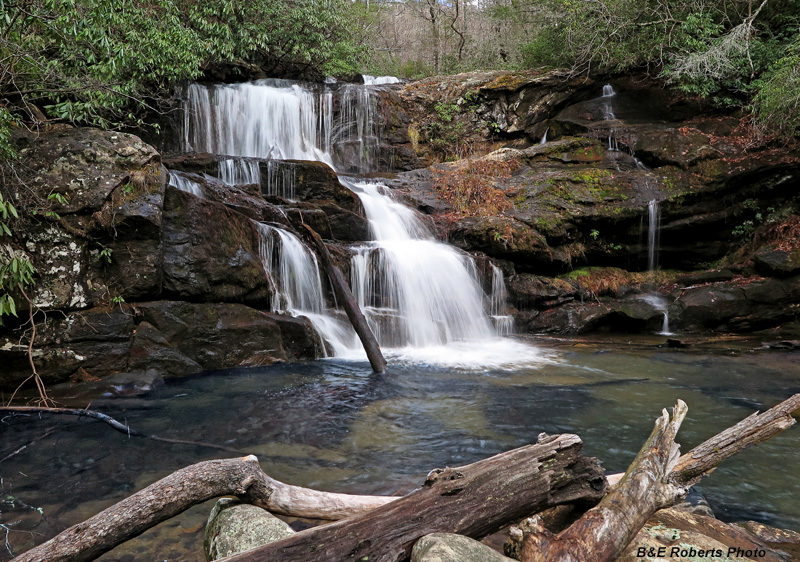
x=336, y=426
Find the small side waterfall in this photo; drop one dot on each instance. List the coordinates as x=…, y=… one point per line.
x=498, y=304
x=653, y=234
x=608, y=91
x=543, y=140
x=179, y=181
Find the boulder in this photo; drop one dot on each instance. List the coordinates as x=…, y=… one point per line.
x=102, y=236
x=219, y=336
x=169, y=338
x=507, y=238
x=211, y=253
x=777, y=263
x=235, y=527
x=447, y=547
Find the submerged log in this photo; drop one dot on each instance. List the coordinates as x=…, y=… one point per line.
x=657, y=478
x=473, y=500
x=181, y=490
x=345, y=296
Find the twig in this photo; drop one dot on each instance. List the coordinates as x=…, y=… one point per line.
x=121, y=427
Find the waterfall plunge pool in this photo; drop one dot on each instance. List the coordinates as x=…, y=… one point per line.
x=334, y=425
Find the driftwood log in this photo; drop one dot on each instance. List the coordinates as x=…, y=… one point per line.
x=241, y=477
x=657, y=478
x=473, y=500
x=345, y=296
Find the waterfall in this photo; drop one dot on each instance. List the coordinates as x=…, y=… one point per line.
x=608, y=91
x=419, y=295
x=544, y=136
x=654, y=222
x=180, y=181
x=264, y=119
x=297, y=285
x=236, y=171
x=660, y=304
x=281, y=178
x=498, y=307
x=427, y=290
x=378, y=80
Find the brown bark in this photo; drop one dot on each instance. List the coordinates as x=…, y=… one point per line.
x=345, y=296
x=473, y=500
x=179, y=491
x=657, y=478
x=605, y=530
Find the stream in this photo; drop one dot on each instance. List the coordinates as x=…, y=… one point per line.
x=334, y=425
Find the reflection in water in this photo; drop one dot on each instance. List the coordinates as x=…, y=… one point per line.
x=334, y=425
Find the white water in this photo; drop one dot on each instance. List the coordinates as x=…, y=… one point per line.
x=297, y=286
x=660, y=304
x=543, y=140
x=498, y=310
x=608, y=91
x=653, y=224
x=180, y=181
x=421, y=297
x=378, y=80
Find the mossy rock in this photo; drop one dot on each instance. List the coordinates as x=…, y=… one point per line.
x=235, y=527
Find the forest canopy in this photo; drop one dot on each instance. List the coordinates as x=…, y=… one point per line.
x=108, y=62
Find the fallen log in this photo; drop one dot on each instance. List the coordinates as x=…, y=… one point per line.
x=657, y=478
x=345, y=296
x=241, y=477
x=473, y=500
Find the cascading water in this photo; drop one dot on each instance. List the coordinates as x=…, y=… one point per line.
x=420, y=296
x=428, y=289
x=653, y=225
x=543, y=140
x=297, y=285
x=608, y=91
x=179, y=181
x=378, y=80
x=498, y=308
x=653, y=234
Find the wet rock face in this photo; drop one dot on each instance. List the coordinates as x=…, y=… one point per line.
x=110, y=188
x=211, y=253
x=170, y=338
x=121, y=239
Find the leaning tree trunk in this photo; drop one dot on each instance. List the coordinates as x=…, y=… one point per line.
x=343, y=293
x=473, y=500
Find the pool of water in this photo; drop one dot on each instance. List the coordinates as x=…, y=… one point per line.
x=334, y=425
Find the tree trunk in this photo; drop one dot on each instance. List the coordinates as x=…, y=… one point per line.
x=181, y=490
x=473, y=500
x=657, y=478
x=345, y=296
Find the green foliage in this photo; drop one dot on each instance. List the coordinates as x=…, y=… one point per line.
x=105, y=255
x=547, y=49
x=6, y=121
x=103, y=62
x=16, y=270
x=777, y=103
